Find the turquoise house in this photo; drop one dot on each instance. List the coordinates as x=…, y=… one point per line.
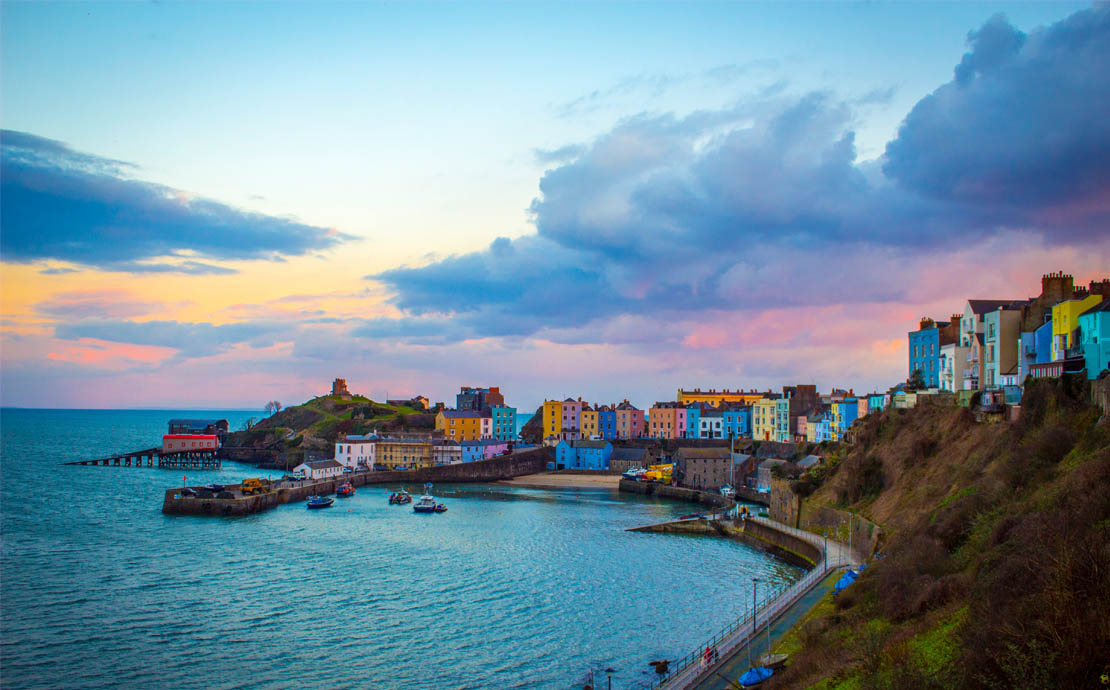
x=1094, y=338
x=607, y=422
x=583, y=455
x=738, y=422
x=693, y=420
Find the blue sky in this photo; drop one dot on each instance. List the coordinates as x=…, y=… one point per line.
x=292, y=168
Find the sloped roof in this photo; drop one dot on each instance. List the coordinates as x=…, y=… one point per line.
x=1104, y=305
x=771, y=462
x=982, y=306
x=590, y=444
x=628, y=454
x=323, y=464
x=809, y=461
x=708, y=453
x=461, y=414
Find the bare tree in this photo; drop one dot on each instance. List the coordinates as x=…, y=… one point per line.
x=272, y=407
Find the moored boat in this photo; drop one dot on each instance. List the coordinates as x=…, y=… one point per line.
x=401, y=497
x=317, y=502
x=440, y=508
x=425, y=504
x=345, y=490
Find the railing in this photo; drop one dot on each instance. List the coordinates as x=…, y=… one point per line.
x=687, y=670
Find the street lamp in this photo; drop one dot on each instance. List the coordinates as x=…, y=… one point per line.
x=755, y=580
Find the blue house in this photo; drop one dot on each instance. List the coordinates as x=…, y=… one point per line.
x=1094, y=338
x=607, y=422
x=592, y=455
x=925, y=352
x=471, y=450
x=693, y=420
x=503, y=420
x=738, y=421
x=583, y=455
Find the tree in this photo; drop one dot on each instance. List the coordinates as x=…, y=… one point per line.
x=248, y=424
x=917, y=381
x=272, y=407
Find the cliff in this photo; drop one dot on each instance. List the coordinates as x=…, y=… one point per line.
x=994, y=564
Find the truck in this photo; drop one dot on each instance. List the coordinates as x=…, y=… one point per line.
x=252, y=486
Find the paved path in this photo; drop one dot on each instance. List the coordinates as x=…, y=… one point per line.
x=735, y=666
x=688, y=673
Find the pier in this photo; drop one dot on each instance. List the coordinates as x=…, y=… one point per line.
x=154, y=457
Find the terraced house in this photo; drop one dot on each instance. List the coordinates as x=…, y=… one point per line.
x=460, y=425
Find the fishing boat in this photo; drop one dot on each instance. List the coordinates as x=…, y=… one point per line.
x=427, y=502
x=440, y=508
x=401, y=497
x=317, y=502
x=345, y=490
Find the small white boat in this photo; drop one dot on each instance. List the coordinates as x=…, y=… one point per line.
x=728, y=491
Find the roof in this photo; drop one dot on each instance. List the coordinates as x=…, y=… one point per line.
x=361, y=437
x=323, y=464
x=809, y=461
x=196, y=422
x=771, y=462
x=708, y=453
x=590, y=444
x=208, y=437
x=461, y=414
x=628, y=454
x=982, y=306
x=1104, y=305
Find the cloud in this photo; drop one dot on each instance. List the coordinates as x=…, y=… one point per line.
x=191, y=340
x=63, y=205
x=1022, y=129
x=81, y=304
x=765, y=204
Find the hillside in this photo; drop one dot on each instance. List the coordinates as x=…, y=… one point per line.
x=995, y=567
x=317, y=424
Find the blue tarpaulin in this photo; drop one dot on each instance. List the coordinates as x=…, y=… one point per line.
x=845, y=580
x=755, y=675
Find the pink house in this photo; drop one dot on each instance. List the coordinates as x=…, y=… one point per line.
x=630, y=420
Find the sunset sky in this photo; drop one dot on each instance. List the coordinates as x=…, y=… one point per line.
x=217, y=205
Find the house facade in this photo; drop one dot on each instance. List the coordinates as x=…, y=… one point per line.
x=460, y=425
x=630, y=421
x=356, y=451
x=393, y=453
x=763, y=419
x=1001, y=337
x=1065, y=323
x=705, y=469
x=1094, y=339
x=320, y=469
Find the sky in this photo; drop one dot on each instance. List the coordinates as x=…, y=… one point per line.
x=221, y=204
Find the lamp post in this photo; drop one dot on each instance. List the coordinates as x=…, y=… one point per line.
x=826, y=549
x=755, y=581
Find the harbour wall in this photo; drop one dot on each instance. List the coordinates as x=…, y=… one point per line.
x=786, y=546
x=481, y=471
x=678, y=493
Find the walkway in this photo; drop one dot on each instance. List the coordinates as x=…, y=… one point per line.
x=689, y=673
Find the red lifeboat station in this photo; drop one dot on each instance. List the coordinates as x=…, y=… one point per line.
x=177, y=443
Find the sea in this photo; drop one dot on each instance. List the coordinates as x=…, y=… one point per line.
x=510, y=588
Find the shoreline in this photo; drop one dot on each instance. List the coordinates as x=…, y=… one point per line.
x=558, y=480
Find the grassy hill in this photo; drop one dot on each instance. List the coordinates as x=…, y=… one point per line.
x=995, y=569
x=317, y=424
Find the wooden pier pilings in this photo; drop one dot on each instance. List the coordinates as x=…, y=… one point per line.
x=154, y=457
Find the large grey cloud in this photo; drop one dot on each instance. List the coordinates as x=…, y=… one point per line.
x=189, y=338
x=69, y=206
x=765, y=202
x=1023, y=129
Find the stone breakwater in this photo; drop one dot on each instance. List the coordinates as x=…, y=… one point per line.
x=482, y=471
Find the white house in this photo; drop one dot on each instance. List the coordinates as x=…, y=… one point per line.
x=356, y=452
x=320, y=469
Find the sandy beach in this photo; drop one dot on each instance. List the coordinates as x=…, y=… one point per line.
x=559, y=480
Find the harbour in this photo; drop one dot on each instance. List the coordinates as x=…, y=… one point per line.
x=178, y=602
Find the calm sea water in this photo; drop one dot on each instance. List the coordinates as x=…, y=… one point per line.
x=510, y=588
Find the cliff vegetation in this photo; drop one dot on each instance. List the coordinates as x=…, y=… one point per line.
x=995, y=566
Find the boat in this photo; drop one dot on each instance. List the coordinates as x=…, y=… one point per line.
x=440, y=508
x=775, y=662
x=728, y=492
x=425, y=504
x=345, y=490
x=401, y=497
x=317, y=502
x=755, y=676
x=215, y=487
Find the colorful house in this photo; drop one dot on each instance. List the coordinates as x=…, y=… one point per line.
x=502, y=422
x=588, y=422
x=607, y=422
x=583, y=455
x=737, y=421
x=1065, y=323
x=460, y=425
x=819, y=428
x=664, y=420
x=1001, y=335
x=763, y=419
x=782, y=420
x=711, y=424
x=552, y=421
x=843, y=414
x=717, y=398
x=1094, y=338
x=693, y=420
x=482, y=449
x=630, y=421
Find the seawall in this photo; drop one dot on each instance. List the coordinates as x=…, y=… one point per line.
x=482, y=471
x=678, y=493
x=782, y=544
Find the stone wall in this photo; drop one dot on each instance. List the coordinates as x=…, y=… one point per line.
x=784, y=505
x=678, y=493
x=863, y=535
x=504, y=467
x=765, y=538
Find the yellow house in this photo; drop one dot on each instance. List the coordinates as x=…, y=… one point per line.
x=717, y=397
x=409, y=453
x=552, y=420
x=1065, y=320
x=763, y=420
x=460, y=425
x=587, y=422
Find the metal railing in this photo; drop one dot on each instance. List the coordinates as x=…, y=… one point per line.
x=687, y=670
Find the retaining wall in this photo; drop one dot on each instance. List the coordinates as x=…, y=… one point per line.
x=783, y=545
x=678, y=493
x=481, y=471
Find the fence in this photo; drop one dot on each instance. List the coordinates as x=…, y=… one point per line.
x=688, y=670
